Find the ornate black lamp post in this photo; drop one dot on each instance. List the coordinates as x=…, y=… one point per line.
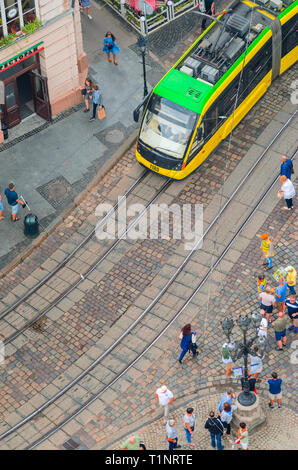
x=240, y=349
x=142, y=43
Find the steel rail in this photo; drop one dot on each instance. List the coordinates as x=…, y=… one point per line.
x=180, y=311
x=67, y=291
x=154, y=301
x=74, y=251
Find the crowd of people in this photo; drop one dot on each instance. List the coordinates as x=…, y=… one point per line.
x=219, y=424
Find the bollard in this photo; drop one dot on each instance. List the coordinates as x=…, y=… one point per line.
x=31, y=226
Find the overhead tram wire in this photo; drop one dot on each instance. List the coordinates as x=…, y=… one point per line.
x=158, y=296
x=180, y=311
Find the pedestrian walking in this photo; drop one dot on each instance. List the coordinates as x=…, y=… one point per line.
x=242, y=436
x=86, y=5
x=226, y=359
x=267, y=302
x=188, y=342
x=164, y=397
x=281, y=294
x=172, y=435
x=189, y=421
x=287, y=191
x=262, y=330
x=262, y=283
x=226, y=398
x=13, y=200
x=215, y=428
x=208, y=7
x=226, y=416
x=87, y=93
x=280, y=329
x=291, y=279
x=267, y=249
x=286, y=167
x=292, y=306
x=131, y=443
x=275, y=390
x=110, y=47
x=1, y=208
x=256, y=362
x=251, y=382
x=97, y=101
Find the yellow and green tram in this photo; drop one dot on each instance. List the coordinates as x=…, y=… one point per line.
x=215, y=83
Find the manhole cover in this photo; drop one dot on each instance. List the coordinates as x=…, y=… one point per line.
x=114, y=136
x=57, y=191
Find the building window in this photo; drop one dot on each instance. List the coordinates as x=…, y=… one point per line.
x=15, y=14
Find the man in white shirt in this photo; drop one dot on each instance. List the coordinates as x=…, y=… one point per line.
x=262, y=330
x=267, y=302
x=164, y=397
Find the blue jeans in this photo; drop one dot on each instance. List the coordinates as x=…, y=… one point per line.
x=184, y=351
x=173, y=445
x=188, y=435
x=292, y=289
x=218, y=440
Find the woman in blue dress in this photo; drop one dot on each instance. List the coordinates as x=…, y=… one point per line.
x=110, y=47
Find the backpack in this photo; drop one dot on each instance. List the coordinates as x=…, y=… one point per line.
x=225, y=352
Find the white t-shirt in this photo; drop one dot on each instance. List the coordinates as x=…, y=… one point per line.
x=165, y=397
x=288, y=189
x=263, y=325
x=267, y=299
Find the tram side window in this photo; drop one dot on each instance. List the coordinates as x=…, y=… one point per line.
x=211, y=121
x=198, y=141
x=227, y=99
x=289, y=36
x=258, y=67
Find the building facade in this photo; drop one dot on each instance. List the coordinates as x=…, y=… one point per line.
x=42, y=62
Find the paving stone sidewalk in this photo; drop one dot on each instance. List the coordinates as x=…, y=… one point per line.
x=278, y=433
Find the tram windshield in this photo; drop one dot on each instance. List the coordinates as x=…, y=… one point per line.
x=167, y=126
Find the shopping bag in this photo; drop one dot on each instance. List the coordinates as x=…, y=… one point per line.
x=101, y=113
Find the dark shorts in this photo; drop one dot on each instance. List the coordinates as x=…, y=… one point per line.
x=268, y=309
x=280, y=334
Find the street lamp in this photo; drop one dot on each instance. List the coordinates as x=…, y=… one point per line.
x=142, y=43
x=239, y=349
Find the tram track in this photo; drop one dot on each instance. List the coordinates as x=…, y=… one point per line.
x=49, y=276
x=113, y=347
x=83, y=276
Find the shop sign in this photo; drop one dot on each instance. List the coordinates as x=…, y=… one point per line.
x=22, y=56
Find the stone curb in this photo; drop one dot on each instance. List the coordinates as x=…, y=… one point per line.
x=106, y=167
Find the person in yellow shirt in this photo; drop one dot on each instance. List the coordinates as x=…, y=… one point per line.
x=267, y=249
x=291, y=279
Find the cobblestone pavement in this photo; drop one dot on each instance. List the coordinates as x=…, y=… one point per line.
x=278, y=433
x=38, y=358
x=36, y=364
